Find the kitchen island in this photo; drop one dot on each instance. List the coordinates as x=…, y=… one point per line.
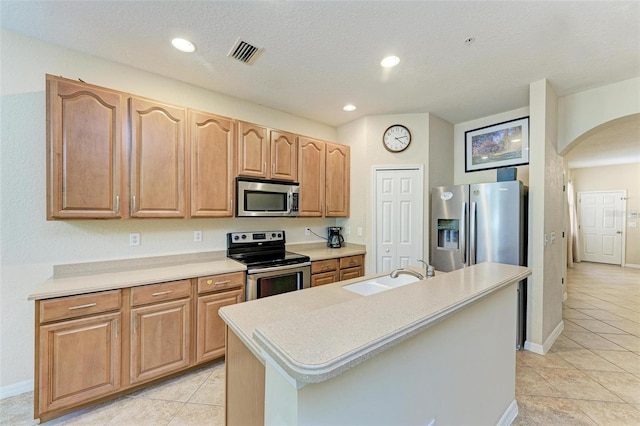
x=438, y=351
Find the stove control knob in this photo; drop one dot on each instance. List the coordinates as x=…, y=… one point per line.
x=279, y=235
x=273, y=235
x=244, y=236
x=235, y=237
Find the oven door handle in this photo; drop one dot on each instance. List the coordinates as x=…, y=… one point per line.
x=278, y=268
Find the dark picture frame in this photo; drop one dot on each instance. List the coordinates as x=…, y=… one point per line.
x=504, y=144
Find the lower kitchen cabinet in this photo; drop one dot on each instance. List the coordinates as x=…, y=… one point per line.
x=338, y=269
x=92, y=346
x=210, y=335
x=160, y=339
x=78, y=350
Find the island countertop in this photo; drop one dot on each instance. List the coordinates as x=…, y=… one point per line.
x=318, y=333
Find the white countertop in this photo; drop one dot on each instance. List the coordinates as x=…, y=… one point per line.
x=81, y=278
x=318, y=333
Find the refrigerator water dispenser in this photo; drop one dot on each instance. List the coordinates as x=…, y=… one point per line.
x=448, y=232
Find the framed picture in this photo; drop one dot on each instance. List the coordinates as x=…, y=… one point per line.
x=500, y=145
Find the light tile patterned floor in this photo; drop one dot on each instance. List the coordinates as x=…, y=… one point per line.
x=590, y=376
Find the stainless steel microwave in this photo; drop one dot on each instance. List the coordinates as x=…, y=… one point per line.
x=266, y=198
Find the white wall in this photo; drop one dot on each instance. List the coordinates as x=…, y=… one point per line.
x=30, y=245
x=581, y=112
x=365, y=138
x=460, y=176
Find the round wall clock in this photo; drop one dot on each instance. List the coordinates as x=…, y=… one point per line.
x=396, y=138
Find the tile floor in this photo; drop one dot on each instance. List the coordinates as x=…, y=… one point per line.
x=591, y=375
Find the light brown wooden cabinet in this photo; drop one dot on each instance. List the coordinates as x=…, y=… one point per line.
x=157, y=158
x=92, y=346
x=266, y=153
x=324, y=178
x=337, y=178
x=210, y=335
x=212, y=142
x=311, y=162
x=84, y=150
x=338, y=269
x=77, y=359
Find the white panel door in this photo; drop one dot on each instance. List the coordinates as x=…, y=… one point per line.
x=399, y=218
x=600, y=225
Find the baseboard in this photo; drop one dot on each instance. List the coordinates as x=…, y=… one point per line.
x=544, y=348
x=509, y=415
x=16, y=389
x=632, y=265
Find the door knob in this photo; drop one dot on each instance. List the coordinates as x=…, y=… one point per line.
x=387, y=250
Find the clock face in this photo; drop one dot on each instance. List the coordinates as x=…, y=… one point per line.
x=396, y=138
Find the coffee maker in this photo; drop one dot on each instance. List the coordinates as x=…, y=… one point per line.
x=334, y=239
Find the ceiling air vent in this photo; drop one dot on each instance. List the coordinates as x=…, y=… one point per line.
x=244, y=52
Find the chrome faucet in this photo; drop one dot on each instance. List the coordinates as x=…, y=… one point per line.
x=396, y=272
x=428, y=269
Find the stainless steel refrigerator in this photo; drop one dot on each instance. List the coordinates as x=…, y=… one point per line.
x=477, y=223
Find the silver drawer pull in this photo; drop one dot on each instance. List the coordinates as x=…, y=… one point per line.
x=162, y=293
x=88, y=305
x=222, y=282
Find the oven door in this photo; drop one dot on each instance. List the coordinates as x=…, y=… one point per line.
x=266, y=282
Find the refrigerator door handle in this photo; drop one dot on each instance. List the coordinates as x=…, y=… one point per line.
x=463, y=234
x=472, y=235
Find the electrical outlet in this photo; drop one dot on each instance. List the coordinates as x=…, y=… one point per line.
x=348, y=230
x=197, y=236
x=359, y=231
x=307, y=231
x=134, y=239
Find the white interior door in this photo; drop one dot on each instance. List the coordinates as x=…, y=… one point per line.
x=600, y=225
x=398, y=213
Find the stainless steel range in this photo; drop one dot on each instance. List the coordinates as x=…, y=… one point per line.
x=271, y=269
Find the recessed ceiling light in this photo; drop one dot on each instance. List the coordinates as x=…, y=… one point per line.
x=183, y=45
x=349, y=107
x=390, y=61
x=469, y=41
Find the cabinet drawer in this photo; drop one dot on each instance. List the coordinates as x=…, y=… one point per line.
x=78, y=306
x=351, y=261
x=160, y=292
x=220, y=282
x=324, y=266
x=350, y=273
x=324, y=278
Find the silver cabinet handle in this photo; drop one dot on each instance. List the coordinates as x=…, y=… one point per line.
x=162, y=293
x=116, y=327
x=209, y=282
x=472, y=235
x=264, y=167
x=88, y=305
x=117, y=204
x=463, y=234
x=273, y=168
x=133, y=204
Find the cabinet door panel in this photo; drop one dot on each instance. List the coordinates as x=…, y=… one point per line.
x=252, y=150
x=160, y=339
x=284, y=156
x=79, y=361
x=84, y=148
x=157, y=159
x=324, y=278
x=347, y=274
x=311, y=175
x=211, y=340
x=338, y=180
x=213, y=143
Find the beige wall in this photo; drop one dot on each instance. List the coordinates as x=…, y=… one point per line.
x=619, y=177
x=30, y=245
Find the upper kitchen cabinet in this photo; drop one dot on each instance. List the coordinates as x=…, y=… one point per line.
x=265, y=153
x=337, y=180
x=212, y=142
x=324, y=178
x=84, y=150
x=312, y=181
x=157, y=159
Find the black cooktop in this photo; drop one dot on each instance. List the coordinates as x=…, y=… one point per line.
x=262, y=249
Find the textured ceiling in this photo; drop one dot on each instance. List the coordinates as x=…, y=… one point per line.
x=320, y=55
